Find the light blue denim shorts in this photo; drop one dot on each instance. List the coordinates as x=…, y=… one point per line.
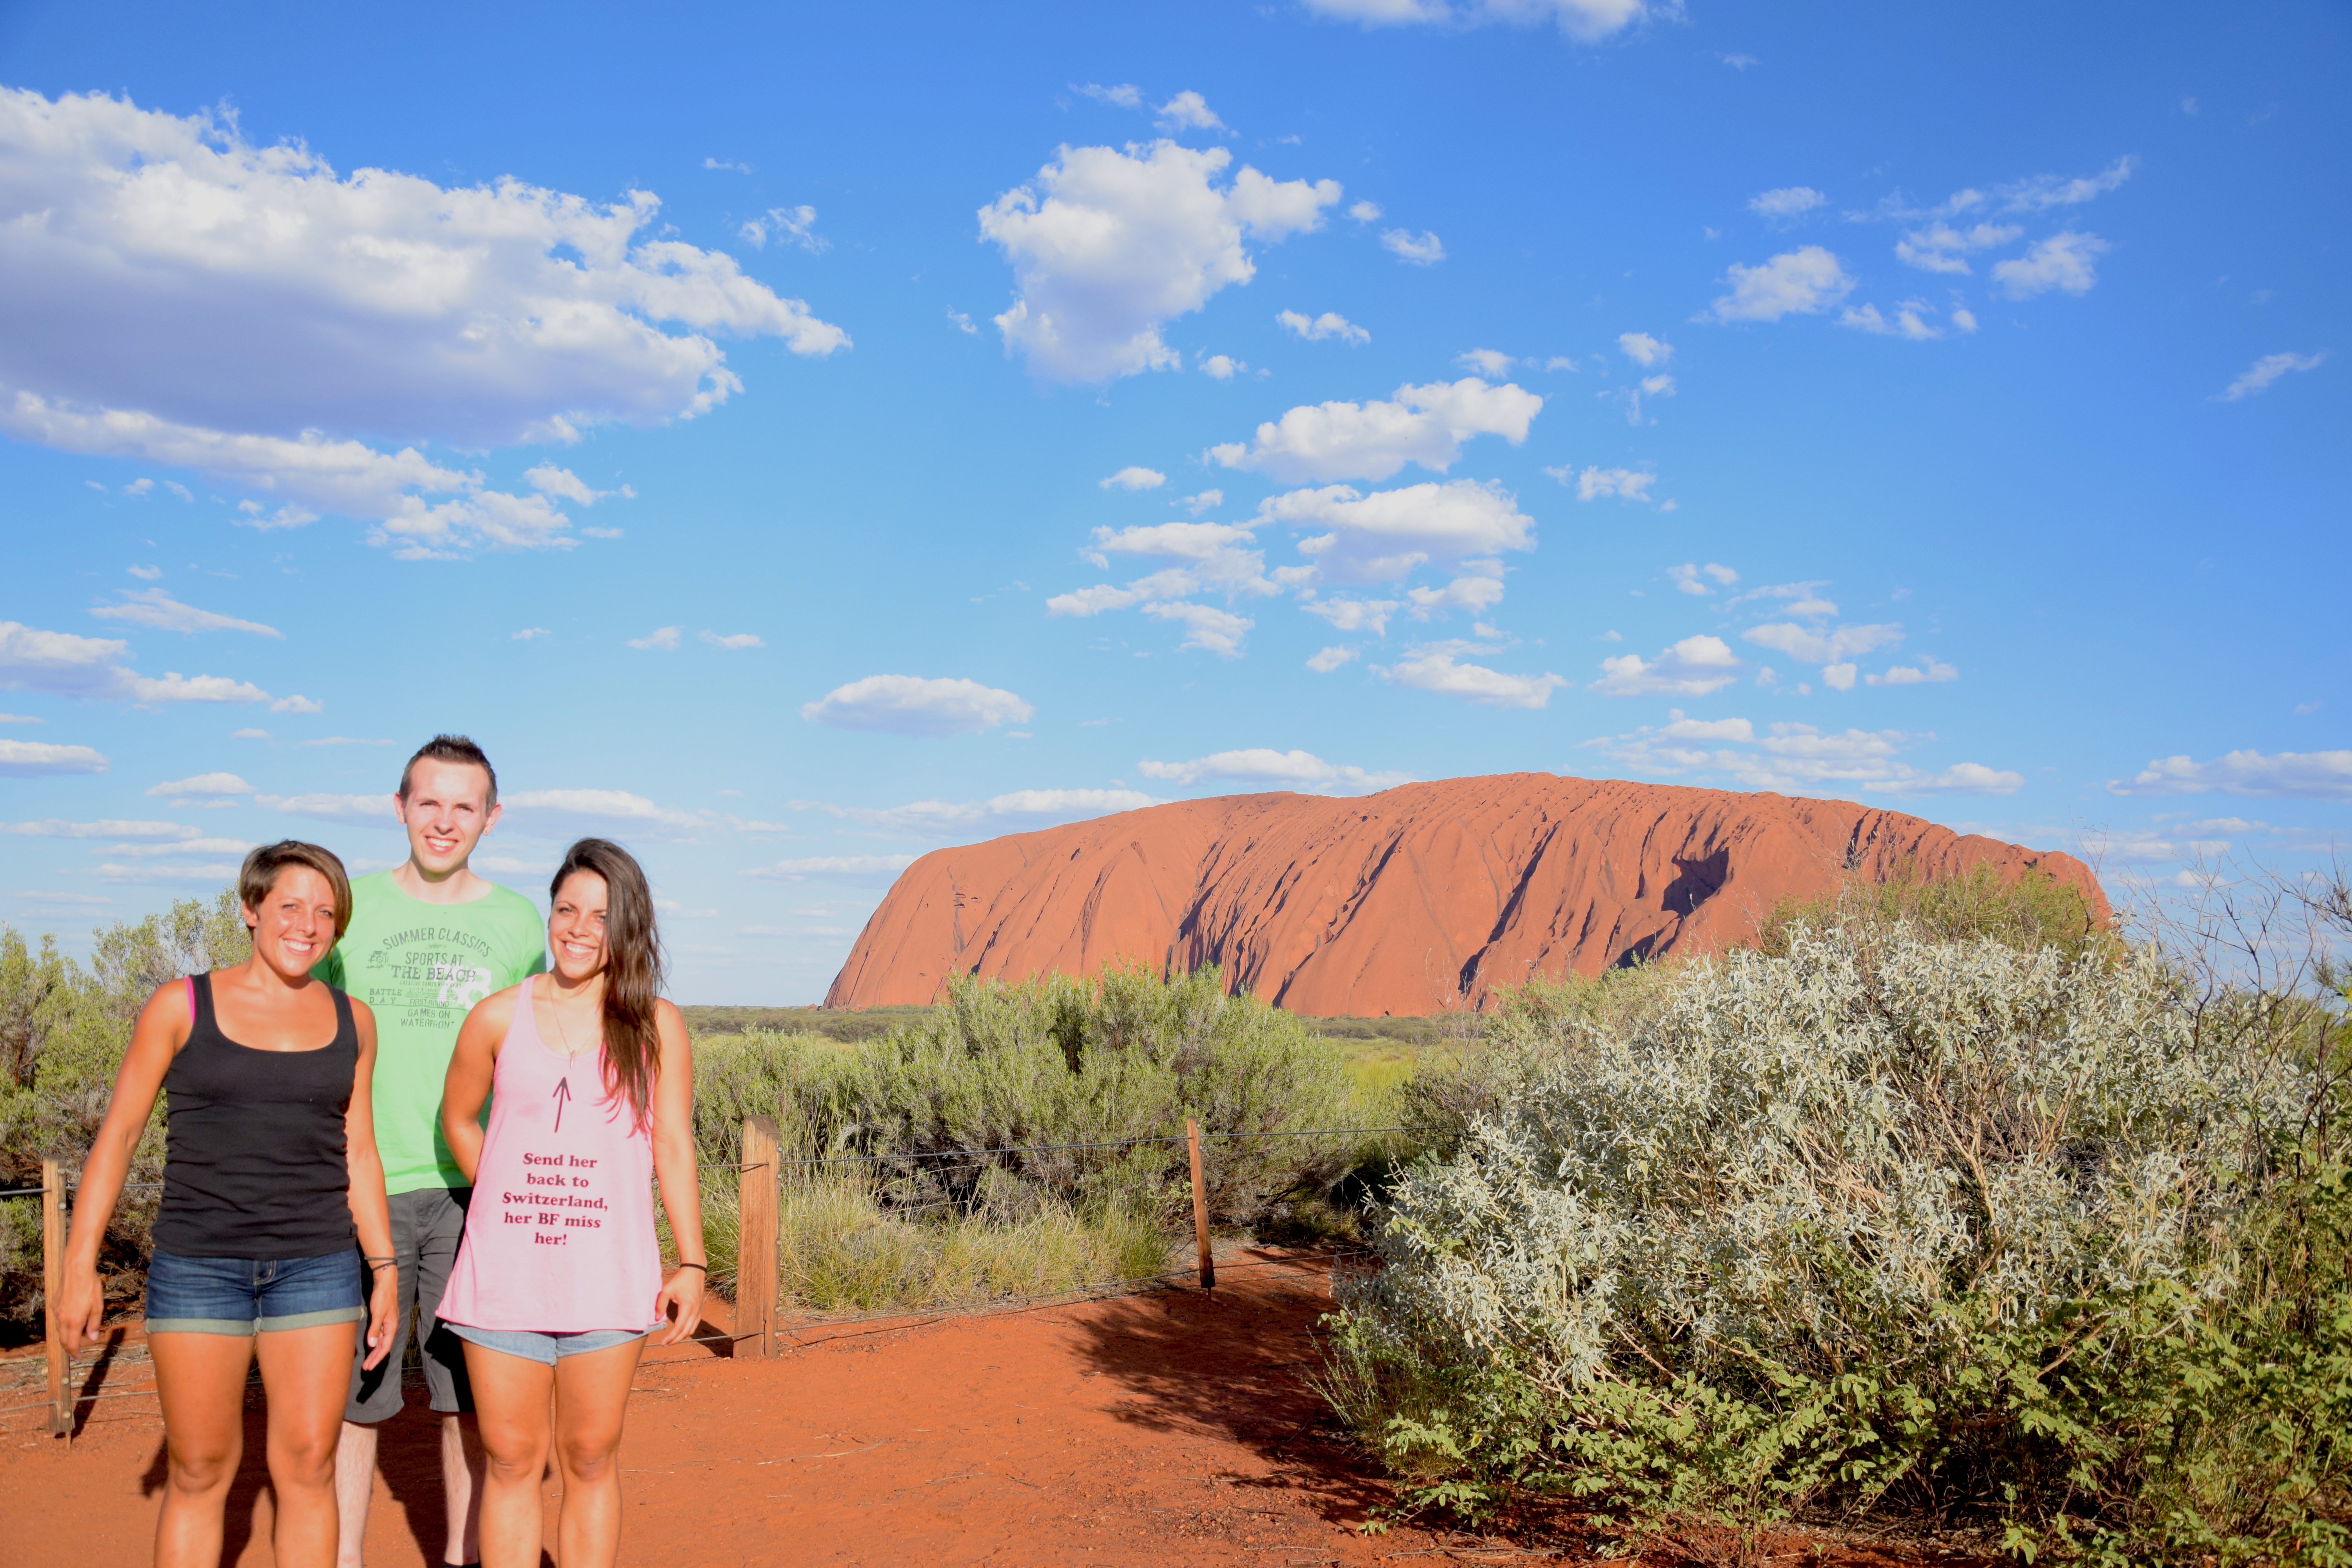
x=546, y=1349
x=242, y=1296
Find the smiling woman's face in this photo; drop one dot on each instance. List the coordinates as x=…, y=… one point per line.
x=294, y=924
x=575, y=927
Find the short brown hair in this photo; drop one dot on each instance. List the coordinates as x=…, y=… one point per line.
x=451, y=749
x=263, y=867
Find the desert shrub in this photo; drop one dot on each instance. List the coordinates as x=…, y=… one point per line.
x=2029, y=912
x=1985, y=1227
x=63, y=1030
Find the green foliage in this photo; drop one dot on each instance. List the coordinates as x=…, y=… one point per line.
x=2027, y=1234
x=63, y=1030
x=2030, y=912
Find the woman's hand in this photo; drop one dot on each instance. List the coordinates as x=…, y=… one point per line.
x=683, y=1289
x=384, y=1309
x=82, y=1306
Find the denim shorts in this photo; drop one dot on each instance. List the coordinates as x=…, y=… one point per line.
x=546, y=1349
x=245, y=1296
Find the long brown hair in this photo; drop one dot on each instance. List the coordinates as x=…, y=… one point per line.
x=633, y=969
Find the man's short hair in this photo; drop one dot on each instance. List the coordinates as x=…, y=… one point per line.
x=266, y=864
x=451, y=749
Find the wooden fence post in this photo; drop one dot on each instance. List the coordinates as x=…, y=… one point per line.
x=53, y=1277
x=1200, y=1206
x=755, y=1241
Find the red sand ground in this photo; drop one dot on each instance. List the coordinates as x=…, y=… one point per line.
x=1167, y=1428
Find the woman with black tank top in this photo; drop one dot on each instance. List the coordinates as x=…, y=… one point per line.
x=270, y=1173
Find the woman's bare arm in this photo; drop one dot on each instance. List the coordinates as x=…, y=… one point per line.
x=471, y=1067
x=371, y=1210
x=155, y=1039
x=673, y=1135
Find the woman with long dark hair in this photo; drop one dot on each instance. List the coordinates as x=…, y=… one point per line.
x=590, y=1082
x=270, y=1174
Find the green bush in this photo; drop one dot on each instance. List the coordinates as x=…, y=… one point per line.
x=63, y=1030
x=2029, y=1234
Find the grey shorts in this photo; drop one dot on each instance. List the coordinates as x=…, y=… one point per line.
x=427, y=1227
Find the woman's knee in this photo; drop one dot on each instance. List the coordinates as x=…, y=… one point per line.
x=200, y=1466
x=303, y=1459
x=510, y=1454
x=589, y=1459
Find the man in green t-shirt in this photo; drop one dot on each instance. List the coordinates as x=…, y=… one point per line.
x=427, y=939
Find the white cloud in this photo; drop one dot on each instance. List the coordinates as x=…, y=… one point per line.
x=911, y=705
x=551, y=481
x=1215, y=554
x=1477, y=590
x=1372, y=440
x=1928, y=668
x=1910, y=321
x=1438, y=667
x=204, y=784
x=1644, y=349
x=330, y=807
x=145, y=574
x=2294, y=775
x=1624, y=483
x=527, y=633
x=1838, y=676
x=1961, y=778
x=1790, y=201
x=1383, y=536
x=186, y=846
x=1691, y=667
x=54, y=828
x=1424, y=249
x=2266, y=370
x=1300, y=770
x=71, y=666
x=1585, y=20
x=1965, y=320
x=156, y=608
x=1188, y=111
x=222, y=872
x=2066, y=261
x=1940, y=248
x=296, y=703
x=1486, y=362
x=1330, y=660
x=662, y=639
x=1365, y=212
x=1118, y=244
x=721, y=164
x=734, y=641
x=1686, y=576
x=600, y=804
x=1205, y=626
x=1136, y=479
x=28, y=759
x=1787, y=756
x=1329, y=324
x=1222, y=367
x=1198, y=504
x=2046, y=191
x=1808, y=647
x=834, y=867
x=191, y=300
x=787, y=225
x=1126, y=95
x=1352, y=616
x=1805, y=281
x=1015, y=811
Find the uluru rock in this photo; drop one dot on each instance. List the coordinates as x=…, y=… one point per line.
x=1409, y=901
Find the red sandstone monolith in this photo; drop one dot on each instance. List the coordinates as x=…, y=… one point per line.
x=1414, y=901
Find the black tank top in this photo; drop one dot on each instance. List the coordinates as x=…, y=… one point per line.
x=253, y=1163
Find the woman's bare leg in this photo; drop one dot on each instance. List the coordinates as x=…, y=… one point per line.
x=591, y=1394
x=201, y=1379
x=510, y=1409
x=305, y=1376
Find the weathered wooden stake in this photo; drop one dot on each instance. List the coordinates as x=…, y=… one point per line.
x=755, y=1241
x=1200, y=1206
x=53, y=1280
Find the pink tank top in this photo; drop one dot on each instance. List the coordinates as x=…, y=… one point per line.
x=560, y=1233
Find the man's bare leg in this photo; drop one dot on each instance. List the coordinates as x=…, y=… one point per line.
x=355, y=1489
x=461, y=1487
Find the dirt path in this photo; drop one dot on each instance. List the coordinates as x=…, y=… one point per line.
x=1167, y=1429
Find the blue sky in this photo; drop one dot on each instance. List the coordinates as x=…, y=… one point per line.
x=792, y=440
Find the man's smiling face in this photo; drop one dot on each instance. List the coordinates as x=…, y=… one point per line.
x=446, y=810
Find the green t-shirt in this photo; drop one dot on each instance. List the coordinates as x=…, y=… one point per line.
x=422, y=966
